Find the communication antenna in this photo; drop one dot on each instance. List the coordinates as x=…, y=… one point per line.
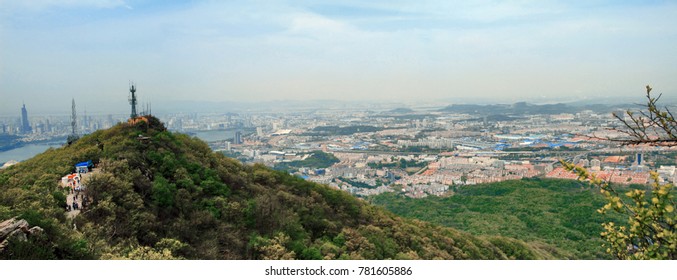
x=74, y=136
x=74, y=117
x=132, y=100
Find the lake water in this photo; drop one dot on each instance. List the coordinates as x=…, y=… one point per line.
x=30, y=150
x=215, y=135
x=25, y=152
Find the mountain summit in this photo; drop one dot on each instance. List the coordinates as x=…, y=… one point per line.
x=162, y=195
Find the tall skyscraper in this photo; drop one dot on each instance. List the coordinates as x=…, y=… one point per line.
x=85, y=122
x=25, y=126
x=238, y=138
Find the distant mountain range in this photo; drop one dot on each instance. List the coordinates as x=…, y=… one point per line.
x=524, y=108
x=161, y=107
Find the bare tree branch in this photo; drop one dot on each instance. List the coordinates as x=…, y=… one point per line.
x=652, y=126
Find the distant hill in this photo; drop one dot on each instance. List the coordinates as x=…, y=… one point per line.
x=559, y=213
x=401, y=110
x=164, y=195
x=524, y=108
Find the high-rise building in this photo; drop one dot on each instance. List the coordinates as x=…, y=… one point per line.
x=25, y=126
x=85, y=122
x=238, y=138
x=109, y=121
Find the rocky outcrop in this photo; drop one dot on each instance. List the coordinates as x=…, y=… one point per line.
x=18, y=229
x=8, y=164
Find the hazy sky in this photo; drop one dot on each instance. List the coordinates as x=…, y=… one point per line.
x=54, y=50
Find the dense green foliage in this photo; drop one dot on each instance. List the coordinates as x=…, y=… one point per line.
x=355, y=183
x=317, y=159
x=161, y=195
x=650, y=229
x=557, y=215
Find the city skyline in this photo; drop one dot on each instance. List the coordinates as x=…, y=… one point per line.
x=214, y=52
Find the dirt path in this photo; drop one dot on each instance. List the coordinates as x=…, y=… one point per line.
x=69, y=201
x=75, y=198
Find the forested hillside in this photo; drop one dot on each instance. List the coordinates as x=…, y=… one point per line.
x=556, y=214
x=162, y=195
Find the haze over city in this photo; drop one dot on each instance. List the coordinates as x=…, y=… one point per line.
x=252, y=51
x=374, y=131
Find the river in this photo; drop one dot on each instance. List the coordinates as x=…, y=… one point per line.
x=214, y=135
x=30, y=150
x=25, y=152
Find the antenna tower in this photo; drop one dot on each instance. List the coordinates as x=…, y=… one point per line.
x=73, y=119
x=132, y=100
x=74, y=136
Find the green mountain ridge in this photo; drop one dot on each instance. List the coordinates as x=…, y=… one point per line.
x=164, y=195
x=560, y=213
